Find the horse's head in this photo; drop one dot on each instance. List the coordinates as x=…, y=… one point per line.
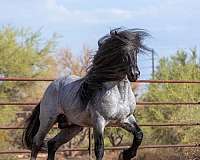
x=116, y=57
x=130, y=45
x=133, y=71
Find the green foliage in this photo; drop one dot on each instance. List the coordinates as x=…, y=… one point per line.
x=22, y=54
x=181, y=66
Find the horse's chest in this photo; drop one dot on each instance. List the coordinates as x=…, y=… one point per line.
x=117, y=103
x=125, y=107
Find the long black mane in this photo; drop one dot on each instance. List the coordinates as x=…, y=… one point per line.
x=110, y=63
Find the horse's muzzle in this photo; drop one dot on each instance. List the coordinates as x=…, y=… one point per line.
x=133, y=76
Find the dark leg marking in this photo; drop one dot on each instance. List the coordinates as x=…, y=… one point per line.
x=138, y=136
x=62, y=121
x=99, y=145
x=61, y=138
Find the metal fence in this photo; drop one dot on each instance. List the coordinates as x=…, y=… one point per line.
x=144, y=104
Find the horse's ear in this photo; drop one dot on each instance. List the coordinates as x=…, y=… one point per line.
x=115, y=31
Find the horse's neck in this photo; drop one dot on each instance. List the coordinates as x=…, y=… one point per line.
x=123, y=87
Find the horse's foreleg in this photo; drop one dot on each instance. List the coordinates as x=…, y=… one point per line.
x=64, y=136
x=99, y=126
x=99, y=144
x=131, y=126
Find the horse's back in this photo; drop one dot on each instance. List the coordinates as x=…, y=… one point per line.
x=55, y=92
x=70, y=102
x=66, y=80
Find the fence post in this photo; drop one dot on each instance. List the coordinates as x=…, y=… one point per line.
x=90, y=143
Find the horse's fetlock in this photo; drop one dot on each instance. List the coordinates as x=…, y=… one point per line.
x=51, y=145
x=128, y=154
x=139, y=135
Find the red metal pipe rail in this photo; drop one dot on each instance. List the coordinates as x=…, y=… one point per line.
x=138, y=81
x=111, y=148
x=138, y=103
x=157, y=146
x=24, y=79
x=168, y=81
x=19, y=103
x=168, y=103
x=142, y=125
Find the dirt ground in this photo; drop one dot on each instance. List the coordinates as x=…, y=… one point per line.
x=162, y=154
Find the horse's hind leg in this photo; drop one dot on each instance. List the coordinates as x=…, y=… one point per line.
x=131, y=126
x=46, y=124
x=64, y=136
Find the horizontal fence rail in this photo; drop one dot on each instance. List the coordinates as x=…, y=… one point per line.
x=138, y=81
x=112, y=148
x=24, y=79
x=138, y=103
x=142, y=125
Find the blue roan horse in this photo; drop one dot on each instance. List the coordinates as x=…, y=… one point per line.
x=102, y=97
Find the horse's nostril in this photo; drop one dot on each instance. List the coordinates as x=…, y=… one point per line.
x=138, y=73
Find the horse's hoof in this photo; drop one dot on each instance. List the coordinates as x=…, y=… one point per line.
x=44, y=147
x=127, y=155
x=121, y=156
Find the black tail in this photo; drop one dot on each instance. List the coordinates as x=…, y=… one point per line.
x=32, y=126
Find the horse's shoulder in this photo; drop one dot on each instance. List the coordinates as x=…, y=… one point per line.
x=107, y=94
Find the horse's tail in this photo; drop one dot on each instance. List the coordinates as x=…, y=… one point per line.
x=32, y=126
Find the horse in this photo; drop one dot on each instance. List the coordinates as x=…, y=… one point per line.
x=102, y=97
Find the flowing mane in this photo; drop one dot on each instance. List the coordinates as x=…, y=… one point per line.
x=110, y=63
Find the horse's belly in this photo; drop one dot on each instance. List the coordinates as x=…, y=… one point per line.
x=75, y=112
x=78, y=118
